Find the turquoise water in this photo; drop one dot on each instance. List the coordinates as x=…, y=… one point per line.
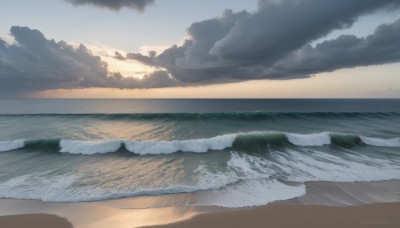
x=245, y=152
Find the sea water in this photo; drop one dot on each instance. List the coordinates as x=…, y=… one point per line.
x=240, y=152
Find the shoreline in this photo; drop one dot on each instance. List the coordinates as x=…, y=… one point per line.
x=274, y=215
x=323, y=200
x=288, y=216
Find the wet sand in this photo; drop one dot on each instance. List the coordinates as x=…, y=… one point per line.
x=290, y=216
x=277, y=216
x=90, y=214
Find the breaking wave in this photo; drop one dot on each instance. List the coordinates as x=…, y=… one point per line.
x=236, y=141
x=11, y=145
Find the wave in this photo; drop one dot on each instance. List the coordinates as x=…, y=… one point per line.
x=11, y=145
x=319, y=139
x=245, y=141
x=242, y=193
x=168, y=147
x=248, y=116
x=247, y=180
x=313, y=165
x=89, y=147
x=62, y=189
x=381, y=142
x=249, y=193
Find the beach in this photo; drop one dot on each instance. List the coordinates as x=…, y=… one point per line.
x=284, y=216
x=21, y=213
x=34, y=220
x=326, y=204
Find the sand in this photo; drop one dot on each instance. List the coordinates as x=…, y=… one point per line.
x=34, y=220
x=277, y=216
x=90, y=214
x=289, y=216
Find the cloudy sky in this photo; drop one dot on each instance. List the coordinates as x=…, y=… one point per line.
x=207, y=48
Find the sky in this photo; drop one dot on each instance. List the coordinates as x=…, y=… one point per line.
x=200, y=49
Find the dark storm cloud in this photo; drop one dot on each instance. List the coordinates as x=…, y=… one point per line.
x=240, y=46
x=138, y=5
x=346, y=51
x=192, y=62
x=34, y=63
x=280, y=26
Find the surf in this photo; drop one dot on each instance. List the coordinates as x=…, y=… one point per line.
x=218, y=143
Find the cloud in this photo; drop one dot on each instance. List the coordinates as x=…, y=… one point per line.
x=119, y=56
x=148, y=60
x=243, y=45
x=346, y=51
x=35, y=63
x=116, y=5
x=279, y=27
x=273, y=42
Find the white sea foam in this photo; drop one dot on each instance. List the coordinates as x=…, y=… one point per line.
x=72, y=188
x=11, y=145
x=381, y=142
x=297, y=166
x=303, y=166
x=246, y=181
x=254, y=185
x=249, y=193
x=319, y=166
x=318, y=139
x=168, y=147
x=38, y=186
x=247, y=166
x=89, y=147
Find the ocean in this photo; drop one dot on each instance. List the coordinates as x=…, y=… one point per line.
x=235, y=152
